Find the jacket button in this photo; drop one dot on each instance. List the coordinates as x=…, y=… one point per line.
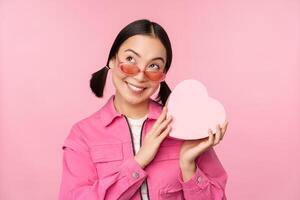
x=135, y=175
x=199, y=179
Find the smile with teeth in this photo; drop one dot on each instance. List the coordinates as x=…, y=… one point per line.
x=135, y=88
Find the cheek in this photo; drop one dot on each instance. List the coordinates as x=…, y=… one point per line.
x=118, y=76
x=153, y=92
x=154, y=87
x=116, y=73
x=117, y=80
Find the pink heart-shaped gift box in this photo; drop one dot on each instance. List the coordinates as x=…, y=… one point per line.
x=193, y=111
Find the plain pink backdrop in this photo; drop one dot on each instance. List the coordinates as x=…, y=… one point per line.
x=245, y=52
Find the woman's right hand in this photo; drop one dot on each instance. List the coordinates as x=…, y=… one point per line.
x=153, y=139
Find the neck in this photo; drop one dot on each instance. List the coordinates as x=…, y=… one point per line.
x=134, y=111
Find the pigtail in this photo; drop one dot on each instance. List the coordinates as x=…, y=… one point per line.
x=163, y=93
x=98, y=80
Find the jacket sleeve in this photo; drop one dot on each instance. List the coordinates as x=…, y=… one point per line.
x=80, y=179
x=209, y=181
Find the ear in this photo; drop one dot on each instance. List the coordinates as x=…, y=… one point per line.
x=112, y=63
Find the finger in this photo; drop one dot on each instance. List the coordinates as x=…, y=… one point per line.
x=210, y=138
x=224, y=128
x=164, y=134
x=224, y=123
x=221, y=131
x=161, y=117
x=162, y=126
x=218, y=135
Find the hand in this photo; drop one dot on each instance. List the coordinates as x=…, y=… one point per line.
x=153, y=139
x=191, y=149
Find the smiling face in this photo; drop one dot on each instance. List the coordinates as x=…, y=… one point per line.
x=146, y=52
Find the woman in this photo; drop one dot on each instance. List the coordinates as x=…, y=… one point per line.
x=122, y=151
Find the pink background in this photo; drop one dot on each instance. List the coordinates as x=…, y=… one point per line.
x=245, y=52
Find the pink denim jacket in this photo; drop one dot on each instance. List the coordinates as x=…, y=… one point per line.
x=98, y=163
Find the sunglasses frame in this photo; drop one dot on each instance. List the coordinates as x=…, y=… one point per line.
x=139, y=70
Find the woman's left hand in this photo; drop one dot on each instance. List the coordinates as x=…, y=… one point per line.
x=191, y=149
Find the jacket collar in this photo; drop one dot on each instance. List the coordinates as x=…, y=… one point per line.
x=108, y=112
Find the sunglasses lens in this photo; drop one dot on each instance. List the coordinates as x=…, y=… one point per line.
x=133, y=70
x=155, y=76
x=129, y=69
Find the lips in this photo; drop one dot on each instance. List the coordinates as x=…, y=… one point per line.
x=135, y=88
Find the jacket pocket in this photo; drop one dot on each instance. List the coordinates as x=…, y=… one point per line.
x=174, y=192
x=107, y=157
x=167, y=159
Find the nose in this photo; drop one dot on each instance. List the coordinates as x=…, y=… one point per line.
x=140, y=76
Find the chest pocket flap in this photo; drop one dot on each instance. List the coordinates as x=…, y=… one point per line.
x=107, y=152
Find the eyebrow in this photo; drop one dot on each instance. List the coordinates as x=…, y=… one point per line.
x=156, y=58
